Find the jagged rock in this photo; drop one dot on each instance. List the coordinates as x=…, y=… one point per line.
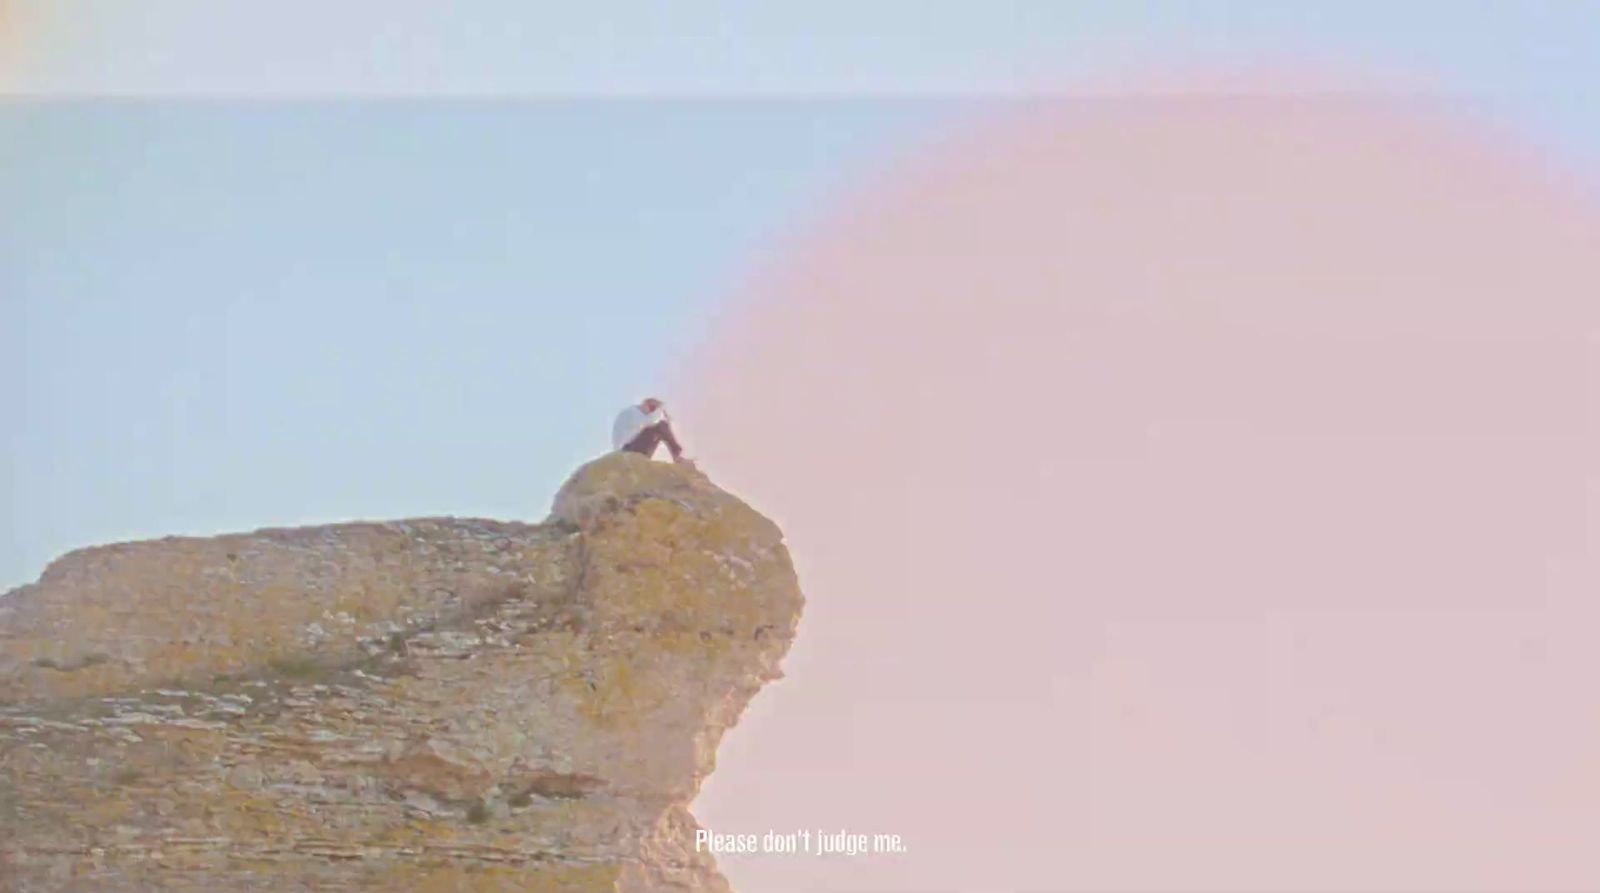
x=436, y=704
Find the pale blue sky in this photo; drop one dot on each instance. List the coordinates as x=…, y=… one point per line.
x=220, y=316
x=726, y=47
x=233, y=313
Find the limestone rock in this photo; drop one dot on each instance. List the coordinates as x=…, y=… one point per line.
x=435, y=704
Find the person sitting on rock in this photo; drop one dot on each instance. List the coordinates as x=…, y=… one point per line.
x=640, y=428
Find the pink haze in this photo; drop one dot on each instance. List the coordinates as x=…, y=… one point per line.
x=1191, y=493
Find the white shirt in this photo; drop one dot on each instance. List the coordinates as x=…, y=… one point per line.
x=633, y=420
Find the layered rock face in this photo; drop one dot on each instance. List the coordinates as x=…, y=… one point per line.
x=437, y=704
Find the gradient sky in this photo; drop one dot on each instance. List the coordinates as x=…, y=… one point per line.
x=224, y=314
x=293, y=263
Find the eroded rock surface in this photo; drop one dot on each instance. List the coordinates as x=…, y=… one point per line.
x=436, y=704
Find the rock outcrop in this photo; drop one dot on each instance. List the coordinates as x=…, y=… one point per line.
x=437, y=704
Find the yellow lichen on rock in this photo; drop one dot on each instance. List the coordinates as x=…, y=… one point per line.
x=438, y=703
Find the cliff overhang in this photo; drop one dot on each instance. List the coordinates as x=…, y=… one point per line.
x=427, y=704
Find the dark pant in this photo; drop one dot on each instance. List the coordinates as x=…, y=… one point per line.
x=653, y=436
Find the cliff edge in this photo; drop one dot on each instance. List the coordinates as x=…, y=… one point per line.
x=435, y=704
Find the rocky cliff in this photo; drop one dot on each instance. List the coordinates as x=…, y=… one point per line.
x=437, y=704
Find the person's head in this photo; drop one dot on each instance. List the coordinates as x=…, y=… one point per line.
x=649, y=404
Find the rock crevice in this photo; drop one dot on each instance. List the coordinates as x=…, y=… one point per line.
x=429, y=704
